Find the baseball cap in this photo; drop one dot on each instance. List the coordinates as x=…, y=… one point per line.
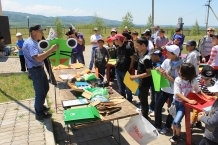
x=207, y=72
x=191, y=43
x=113, y=30
x=178, y=37
x=101, y=39
x=127, y=35
x=214, y=88
x=174, y=49
x=211, y=28
x=156, y=52
x=95, y=29
x=36, y=27
x=18, y=34
x=119, y=37
x=110, y=39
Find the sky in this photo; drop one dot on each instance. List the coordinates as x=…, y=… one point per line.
x=166, y=12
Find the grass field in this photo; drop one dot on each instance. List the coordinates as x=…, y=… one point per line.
x=15, y=87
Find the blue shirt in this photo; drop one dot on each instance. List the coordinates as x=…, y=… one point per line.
x=30, y=49
x=19, y=43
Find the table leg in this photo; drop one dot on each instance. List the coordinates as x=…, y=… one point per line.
x=187, y=125
x=108, y=73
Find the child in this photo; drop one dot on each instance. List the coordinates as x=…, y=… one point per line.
x=213, y=61
x=111, y=48
x=100, y=61
x=156, y=56
x=211, y=121
x=193, y=56
x=169, y=69
x=143, y=74
x=185, y=83
x=205, y=79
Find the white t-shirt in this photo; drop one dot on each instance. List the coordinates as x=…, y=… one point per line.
x=150, y=45
x=165, y=66
x=95, y=38
x=184, y=87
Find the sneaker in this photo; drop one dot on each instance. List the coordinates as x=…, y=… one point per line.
x=152, y=114
x=164, y=130
x=174, y=139
x=46, y=109
x=43, y=116
x=158, y=129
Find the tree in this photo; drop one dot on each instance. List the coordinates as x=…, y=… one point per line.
x=195, y=30
x=58, y=27
x=127, y=20
x=149, y=23
x=98, y=22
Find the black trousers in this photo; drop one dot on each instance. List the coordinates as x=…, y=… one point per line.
x=49, y=70
x=206, y=141
x=143, y=97
x=22, y=63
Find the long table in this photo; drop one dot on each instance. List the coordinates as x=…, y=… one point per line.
x=127, y=109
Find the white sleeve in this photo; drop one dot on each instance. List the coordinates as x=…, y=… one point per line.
x=177, y=88
x=164, y=64
x=195, y=85
x=91, y=38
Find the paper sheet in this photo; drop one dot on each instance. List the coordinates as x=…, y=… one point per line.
x=132, y=85
x=66, y=76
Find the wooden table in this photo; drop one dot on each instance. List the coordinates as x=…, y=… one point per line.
x=188, y=107
x=127, y=109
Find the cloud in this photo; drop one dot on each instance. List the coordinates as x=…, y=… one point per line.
x=9, y=5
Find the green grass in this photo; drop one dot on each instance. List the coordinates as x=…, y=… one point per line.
x=15, y=87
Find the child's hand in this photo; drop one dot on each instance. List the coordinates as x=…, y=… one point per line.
x=132, y=78
x=192, y=102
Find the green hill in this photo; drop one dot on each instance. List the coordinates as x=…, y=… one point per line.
x=18, y=19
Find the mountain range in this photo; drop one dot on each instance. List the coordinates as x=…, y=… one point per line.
x=18, y=19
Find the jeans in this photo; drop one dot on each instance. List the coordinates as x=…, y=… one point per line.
x=180, y=112
x=77, y=56
x=123, y=90
x=101, y=71
x=154, y=96
x=41, y=87
x=92, y=58
x=7, y=51
x=143, y=97
x=161, y=100
x=206, y=141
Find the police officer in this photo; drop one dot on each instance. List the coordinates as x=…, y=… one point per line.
x=34, y=58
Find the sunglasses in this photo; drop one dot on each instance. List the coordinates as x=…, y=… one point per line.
x=209, y=30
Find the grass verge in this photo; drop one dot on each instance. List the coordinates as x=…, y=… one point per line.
x=15, y=87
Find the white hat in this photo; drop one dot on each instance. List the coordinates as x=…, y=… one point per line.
x=214, y=88
x=174, y=49
x=18, y=34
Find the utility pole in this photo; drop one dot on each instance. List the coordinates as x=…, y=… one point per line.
x=152, y=13
x=207, y=17
x=0, y=8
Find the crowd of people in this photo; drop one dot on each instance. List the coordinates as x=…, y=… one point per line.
x=139, y=54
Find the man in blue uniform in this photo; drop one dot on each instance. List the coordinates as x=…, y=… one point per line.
x=34, y=58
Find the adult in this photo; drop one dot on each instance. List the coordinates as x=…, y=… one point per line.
x=34, y=59
x=19, y=45
x=178, y=31
x=77, y=52
x=125, y=60
x=94, y=41
x=4, y=47
x=155, y=34
x=161, y=40
x=205, y=45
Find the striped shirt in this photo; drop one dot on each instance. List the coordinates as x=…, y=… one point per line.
x=207, y=46
x=213, y=61
x=203, y=86
x=159, y=42
x=30, y=49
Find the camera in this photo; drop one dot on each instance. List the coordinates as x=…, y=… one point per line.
x=70, y=31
